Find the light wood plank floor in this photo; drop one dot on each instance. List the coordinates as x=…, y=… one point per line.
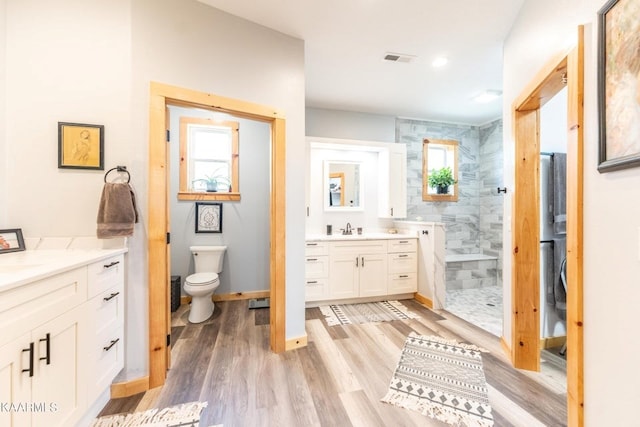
x=337, y=380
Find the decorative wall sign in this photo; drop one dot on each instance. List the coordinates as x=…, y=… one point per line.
x=208, y=217
x=11, y=240
x=80, y=146
x=619, y=85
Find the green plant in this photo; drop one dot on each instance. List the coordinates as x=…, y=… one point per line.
x=441, y=178
x=212, y=181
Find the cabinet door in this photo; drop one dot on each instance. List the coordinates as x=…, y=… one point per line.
x=15, y=385
x=373, y=275
x=398, y=184
x=60, y=372
x=343, y=276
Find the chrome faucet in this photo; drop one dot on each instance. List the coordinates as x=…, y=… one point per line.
x=348, y=230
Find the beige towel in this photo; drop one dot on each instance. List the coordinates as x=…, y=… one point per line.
x=117, y=212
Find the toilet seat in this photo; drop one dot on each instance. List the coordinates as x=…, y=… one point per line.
x=202, y=279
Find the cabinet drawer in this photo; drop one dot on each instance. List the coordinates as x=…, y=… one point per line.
x=316, y=248
x=106, y=356
x=403, y=245
x=401, y=283
x=403, y=263
x=106, y=310
x=105, y=274
x=316, y=266
x=316, y=289
x=359, y=247
x=28, y=306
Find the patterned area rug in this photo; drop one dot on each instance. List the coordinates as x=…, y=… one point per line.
x=384, y=311
x=184, y=415
x=443, y=380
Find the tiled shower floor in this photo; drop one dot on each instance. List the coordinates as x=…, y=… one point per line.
x=479, y=306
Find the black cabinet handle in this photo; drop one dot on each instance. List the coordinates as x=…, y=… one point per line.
x=47, y=339
x=312, y=244
x=312, y=259
x=113, y=342
x=31, y=353
x=403, y=276
x=391, y=211
x=111, y=264
x=362, y=261
x=403, y=241
x=112, y=296
x=312, y=282
x=425, y=231
x=356, y=261
x=403, y=256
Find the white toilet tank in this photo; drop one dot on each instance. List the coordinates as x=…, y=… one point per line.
x=208, y=259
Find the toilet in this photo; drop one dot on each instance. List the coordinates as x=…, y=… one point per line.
x=202, y=284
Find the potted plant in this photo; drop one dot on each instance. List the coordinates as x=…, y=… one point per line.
x=441, y=179
x=213, y=181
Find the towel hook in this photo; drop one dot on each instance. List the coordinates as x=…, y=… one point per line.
x=118, y=169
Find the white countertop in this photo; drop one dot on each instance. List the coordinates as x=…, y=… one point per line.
x=364, y=236
x=19, y=268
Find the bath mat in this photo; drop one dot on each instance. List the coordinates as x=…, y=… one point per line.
x=183, y=415
x=443, y=380
x=383, y=311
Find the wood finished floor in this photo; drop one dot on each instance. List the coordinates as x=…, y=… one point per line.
x=336, y=380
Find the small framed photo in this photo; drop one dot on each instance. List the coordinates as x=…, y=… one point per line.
x=80, y=146
x=208, y=217
x=11, y=240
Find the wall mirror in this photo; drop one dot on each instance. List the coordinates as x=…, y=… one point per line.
x=342, y=185
x=439, y=170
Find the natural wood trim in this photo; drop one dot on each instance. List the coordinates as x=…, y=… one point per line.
x=278, y=234
x=544, y=86
x=423, y=300
x=157, y=241
x=129, y=388
x=241, y=296
x=341, y=176
x=161, y=96
x=188, y=97
x=425, y=172
x=525, y=248
x=294, y=343
x=551, y=342
x=167, y=126
x=505, y=347
x=575, y=200
x=185, y=299
x=200, y=195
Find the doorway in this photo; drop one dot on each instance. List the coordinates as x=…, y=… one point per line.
x=158, y=228
x=525, y=287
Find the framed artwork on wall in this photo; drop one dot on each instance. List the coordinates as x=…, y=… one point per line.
x=11, y=240
x=80, y=146
x=619, y=85
x=208, y=217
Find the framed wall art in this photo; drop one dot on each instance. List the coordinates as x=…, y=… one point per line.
x=619, y=85
x=208, y=217
x=11, y=240
x=80, y=146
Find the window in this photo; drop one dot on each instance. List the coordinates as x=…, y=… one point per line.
x=208, y=159
x=438, y=155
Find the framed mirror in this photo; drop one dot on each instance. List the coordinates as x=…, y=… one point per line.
x=342, y=185
x=439, y=170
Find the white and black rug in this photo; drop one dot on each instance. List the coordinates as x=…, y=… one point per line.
x=383, y=311
x=183, y=415
x=443, y=380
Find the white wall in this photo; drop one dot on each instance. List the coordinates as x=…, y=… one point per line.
x=92, y=62
x=245, y=224
x=321, y=122
x=611, y=214
x=3, y=84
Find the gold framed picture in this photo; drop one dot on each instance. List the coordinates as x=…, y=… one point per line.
x=80, y=146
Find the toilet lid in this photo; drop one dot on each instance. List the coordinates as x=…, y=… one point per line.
x=202, y=278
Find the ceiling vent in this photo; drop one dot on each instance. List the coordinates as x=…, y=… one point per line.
x=398, y=57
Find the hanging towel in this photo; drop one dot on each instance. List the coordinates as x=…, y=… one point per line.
x=559, y=291
x=117, y=212
x=558, y=187
x=546, y=254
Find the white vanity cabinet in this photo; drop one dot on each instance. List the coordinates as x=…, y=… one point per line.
x=403, y=266
x=316, y=271
x=46, y=365
x=357, y=269
x=392, y=202
x=50, y=371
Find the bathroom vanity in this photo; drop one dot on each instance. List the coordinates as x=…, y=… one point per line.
x=360, y=266
x=62, y=339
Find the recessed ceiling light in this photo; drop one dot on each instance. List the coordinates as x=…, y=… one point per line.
x=439, y=62
x=486, y=96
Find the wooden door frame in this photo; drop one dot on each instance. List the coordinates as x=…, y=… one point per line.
x=525, y=285
x=162, y=95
